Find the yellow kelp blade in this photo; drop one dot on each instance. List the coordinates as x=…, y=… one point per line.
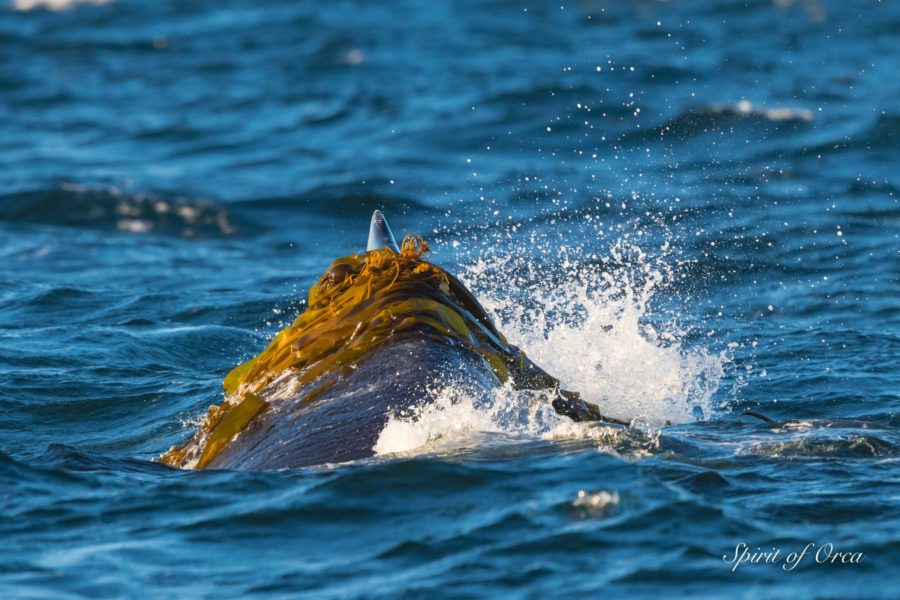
x=360, y=302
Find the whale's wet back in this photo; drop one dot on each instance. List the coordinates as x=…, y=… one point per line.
x=342, y=423
x=380, y=328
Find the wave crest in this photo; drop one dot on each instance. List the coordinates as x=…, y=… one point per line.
x=74, y=205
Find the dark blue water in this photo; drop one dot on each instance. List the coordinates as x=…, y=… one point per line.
x=685, y=209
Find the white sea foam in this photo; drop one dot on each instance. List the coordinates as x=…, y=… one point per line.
x=590, y=326
x=52, y=4
x=457, y=416
x=744, y=107
x=597, y=503
x=453, y=418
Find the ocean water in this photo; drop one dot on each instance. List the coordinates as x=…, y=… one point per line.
x=684, y=210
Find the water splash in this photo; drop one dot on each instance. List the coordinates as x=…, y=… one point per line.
x=456, y=418
x=589, y=322
x=591, y=325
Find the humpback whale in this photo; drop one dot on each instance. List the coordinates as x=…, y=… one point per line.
x=379, y=328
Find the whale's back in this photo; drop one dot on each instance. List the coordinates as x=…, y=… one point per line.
x=379, y=329
x=342, y=422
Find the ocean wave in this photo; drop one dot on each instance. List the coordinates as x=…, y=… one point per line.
x=704, y=119
x=823, y=439
x=350, y=199
x=74, y=205
x=860, y=134
x=54, y=5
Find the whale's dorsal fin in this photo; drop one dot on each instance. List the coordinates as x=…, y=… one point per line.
x=380, y=235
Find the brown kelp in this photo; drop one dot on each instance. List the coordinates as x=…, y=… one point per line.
x=362, y=302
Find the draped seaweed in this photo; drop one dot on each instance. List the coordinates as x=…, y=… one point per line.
x=360, y=302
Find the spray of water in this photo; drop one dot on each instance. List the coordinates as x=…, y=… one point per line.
x=590, y=324
x=587, y=320
x=454, y=418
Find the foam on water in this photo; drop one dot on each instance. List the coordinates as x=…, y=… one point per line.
x=455, y=418
x=55, y=5
x=590, y=325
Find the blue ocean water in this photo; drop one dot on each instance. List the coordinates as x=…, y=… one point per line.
x=685, y=210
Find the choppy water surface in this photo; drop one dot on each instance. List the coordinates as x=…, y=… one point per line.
x=685, y=210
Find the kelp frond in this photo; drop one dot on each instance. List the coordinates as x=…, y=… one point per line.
x=358, y=304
